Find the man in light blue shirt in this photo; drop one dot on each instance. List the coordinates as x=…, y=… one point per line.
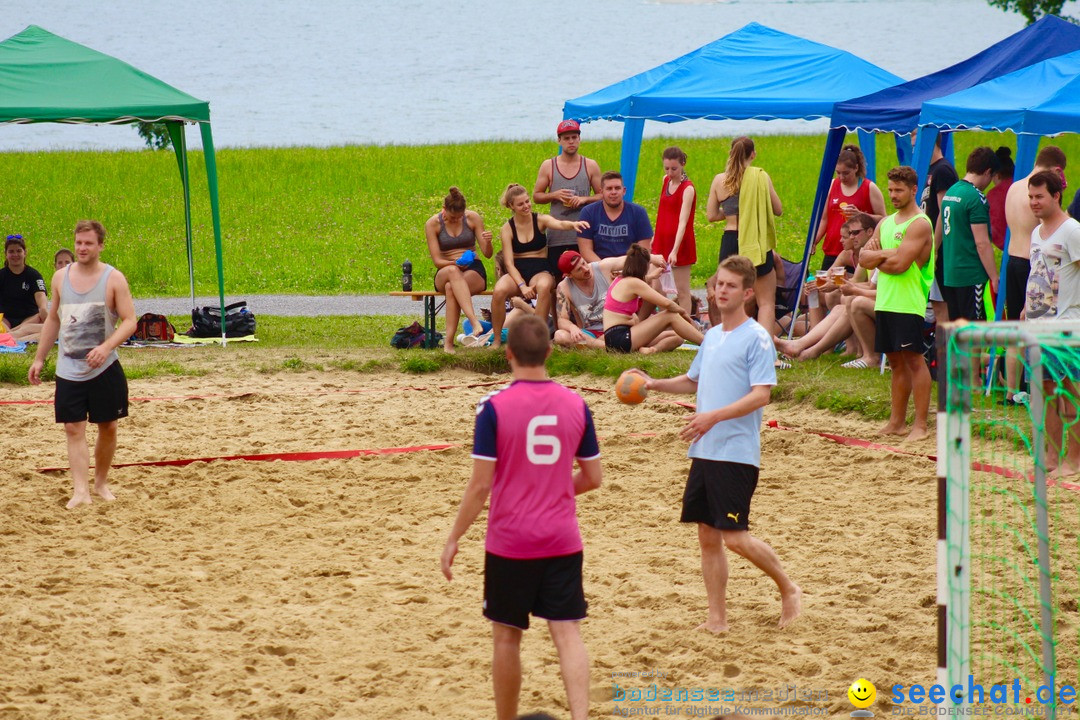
x=733, y=375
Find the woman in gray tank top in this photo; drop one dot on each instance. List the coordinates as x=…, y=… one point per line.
x=453, y=236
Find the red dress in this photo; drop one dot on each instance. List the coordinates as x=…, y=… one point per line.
x=667, y=224
x=834, y=219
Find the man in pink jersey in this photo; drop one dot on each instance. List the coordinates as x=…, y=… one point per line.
x=526, y=439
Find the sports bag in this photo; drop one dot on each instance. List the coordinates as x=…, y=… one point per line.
x=152, y=326
x=412, y=336
x=206, y=321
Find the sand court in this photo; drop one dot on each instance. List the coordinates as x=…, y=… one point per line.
x=312, y=589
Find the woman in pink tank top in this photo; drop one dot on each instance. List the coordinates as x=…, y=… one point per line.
x=625, y=329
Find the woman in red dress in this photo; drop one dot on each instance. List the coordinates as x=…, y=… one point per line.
x=850, y=194
x=673, y=237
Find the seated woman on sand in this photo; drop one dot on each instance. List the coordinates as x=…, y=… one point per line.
x=453, y=235
x=625, y=330
x=524, y=249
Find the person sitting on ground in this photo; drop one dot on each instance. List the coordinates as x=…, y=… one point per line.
x=836, y=326
x=23, y=299
x=625, y=330
x=579, y=298
x=858, y=297
x=524, y=251
x=453, y=234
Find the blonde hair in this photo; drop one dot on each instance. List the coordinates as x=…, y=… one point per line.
x=511, y=192
x=738, y=160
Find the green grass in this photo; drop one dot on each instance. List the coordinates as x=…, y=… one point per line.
x=341, y=220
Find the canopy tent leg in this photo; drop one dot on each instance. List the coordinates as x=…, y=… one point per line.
x=868, y=144
x=833, y=143
x=924, y=150
x=631, y=152
x=215, y=213
x=179, y=142
x=903, y=149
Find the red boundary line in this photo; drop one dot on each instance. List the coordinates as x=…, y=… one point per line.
x=975, y=465
x=285, y=457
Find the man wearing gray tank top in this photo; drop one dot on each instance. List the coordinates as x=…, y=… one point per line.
x=89, y=298
x=566, y=181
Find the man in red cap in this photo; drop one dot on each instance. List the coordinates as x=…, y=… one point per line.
x=566, y=181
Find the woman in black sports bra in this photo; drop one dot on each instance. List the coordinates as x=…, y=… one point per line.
x=524, y=250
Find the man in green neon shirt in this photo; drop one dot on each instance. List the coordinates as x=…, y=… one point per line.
x=902, y=250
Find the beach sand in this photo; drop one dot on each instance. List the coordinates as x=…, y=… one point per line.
x=312, y=589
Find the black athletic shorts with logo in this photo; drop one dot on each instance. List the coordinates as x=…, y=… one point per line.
x=102, y=399
x=898, y=332
x=965, y=302
x=718, y=494
x=549, y=588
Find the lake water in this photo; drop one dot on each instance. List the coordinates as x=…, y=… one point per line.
x=334, y=72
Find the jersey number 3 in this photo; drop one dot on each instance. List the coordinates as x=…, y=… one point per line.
x=542, y=449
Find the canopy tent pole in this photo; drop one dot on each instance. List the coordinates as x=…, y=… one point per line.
x=215, y=213
x=833, y=143
x=633, y=128
x=178, y=135
x=868, y=144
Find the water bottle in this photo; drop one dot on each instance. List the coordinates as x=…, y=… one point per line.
x=406, y=276
x=811, y=293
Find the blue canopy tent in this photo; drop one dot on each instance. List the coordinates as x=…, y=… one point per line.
x=896, y=109
x=1042, y=99
x=754, y=73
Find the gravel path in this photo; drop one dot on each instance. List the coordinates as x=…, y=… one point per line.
x=294, y=305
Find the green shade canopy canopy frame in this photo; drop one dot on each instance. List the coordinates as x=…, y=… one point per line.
x=47, y=78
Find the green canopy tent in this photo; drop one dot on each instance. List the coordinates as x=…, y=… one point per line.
x=46, y=78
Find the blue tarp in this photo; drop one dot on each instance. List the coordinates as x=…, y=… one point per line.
x=1042, y=99
x=753, y=73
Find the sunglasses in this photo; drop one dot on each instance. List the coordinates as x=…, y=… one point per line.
x=14, y=237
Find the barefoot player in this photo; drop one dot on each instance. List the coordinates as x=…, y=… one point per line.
x=89, y=297
x=733, y=375
x=527, y=437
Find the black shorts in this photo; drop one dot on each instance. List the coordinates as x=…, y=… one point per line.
x=729, y=245
x=827, y=261
x=965, y=302
x=554, y=253
x=477, y=266
x=102, y=399
x=549, y=588
x=898, y=332
x=718, y=494
x=617, y=339
x=530, y=267
x=766, y=267
x=1016, y=277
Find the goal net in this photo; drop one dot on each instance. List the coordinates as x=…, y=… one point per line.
x=1008, y=515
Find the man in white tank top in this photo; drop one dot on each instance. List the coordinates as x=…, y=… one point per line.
x=92, y=313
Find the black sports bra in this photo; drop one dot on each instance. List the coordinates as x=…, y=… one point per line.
x=538, y=242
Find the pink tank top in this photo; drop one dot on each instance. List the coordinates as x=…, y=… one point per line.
x=618, y=306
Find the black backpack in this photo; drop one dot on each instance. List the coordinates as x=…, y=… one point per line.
x=206, y=321
x=412, y=336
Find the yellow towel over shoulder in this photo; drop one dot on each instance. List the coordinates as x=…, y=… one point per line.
x=757, y=224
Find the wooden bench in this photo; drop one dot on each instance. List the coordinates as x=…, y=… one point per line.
x=432, y=306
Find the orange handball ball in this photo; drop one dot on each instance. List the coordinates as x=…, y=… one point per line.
x=630, y=388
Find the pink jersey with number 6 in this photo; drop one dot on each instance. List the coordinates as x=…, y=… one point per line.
x=533, y=431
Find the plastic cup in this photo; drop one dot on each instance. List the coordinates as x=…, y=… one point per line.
x=839, y=275
x=821, y=278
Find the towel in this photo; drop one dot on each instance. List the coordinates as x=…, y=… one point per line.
x=757, y=224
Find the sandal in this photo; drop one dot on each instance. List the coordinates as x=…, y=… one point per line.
x=856, y=364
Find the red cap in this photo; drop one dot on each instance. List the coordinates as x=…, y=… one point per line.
x=566, y=261
x=568, y=126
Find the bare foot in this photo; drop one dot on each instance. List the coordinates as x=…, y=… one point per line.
x=788, y=347
x=891, y=429
x=647, y=350
x=790, y=607
x=103, y=492
x=520, y=304
x=449, y=349
x=918, y=432
x=714, y=627
x=79, y=499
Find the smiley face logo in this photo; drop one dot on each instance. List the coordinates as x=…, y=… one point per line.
x=862, y=693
